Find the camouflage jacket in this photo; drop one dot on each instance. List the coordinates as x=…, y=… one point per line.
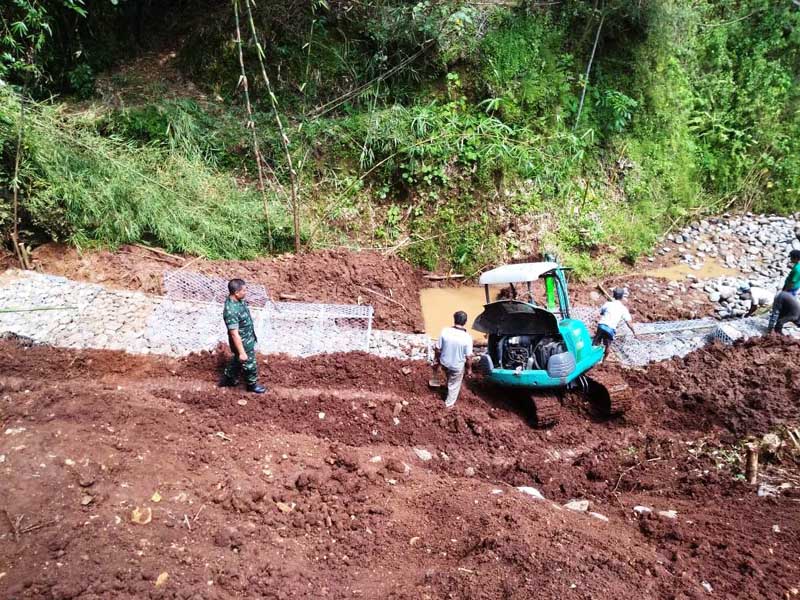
x=237, y=316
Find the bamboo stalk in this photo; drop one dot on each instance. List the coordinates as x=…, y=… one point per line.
x=281, y=129
x=251, y=124
x=588, y=71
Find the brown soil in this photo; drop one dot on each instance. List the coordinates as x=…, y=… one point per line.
x=388, y=283
x=645, y=299
x=282, y=497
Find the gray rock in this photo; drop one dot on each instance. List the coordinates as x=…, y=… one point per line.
x=423, y=454
x=577, y=505
x=531, y=491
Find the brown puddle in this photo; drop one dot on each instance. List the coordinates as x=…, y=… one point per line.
x=439, y=304
x=711, y=269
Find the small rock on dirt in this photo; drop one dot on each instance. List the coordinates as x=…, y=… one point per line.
x=162, y=579
x=577, y=505
x=668, y=514
x=707, y=586
x=770, y=443
x=423, y=454
x=398, y=408
x=531, y=491
x=599, y=516
x=469, y=472
x=242, y=402
x=285, y=508
x=86, y=500
x=642, y=510
x=142, y=516
x=396, y=466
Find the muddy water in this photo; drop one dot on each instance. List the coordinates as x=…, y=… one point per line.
x=711, y=269
x=439, y=304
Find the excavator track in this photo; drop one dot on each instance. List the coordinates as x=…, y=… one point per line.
x=547, y=408
x=608, y=393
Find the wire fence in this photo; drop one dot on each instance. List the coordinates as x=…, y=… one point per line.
x=294, y=328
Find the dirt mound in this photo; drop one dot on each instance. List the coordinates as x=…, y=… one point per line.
x=650, y=299
x=349, y=479
x=750, y=388
x=388, y=283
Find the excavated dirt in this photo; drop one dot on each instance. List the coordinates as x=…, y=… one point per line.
x=750, y=389
x=320, y=489
x=650, y=298
x=388, y=283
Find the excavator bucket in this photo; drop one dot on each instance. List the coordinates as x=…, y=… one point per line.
x=608, y=394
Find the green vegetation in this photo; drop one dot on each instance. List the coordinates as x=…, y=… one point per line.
x=449, y=131
x=86, y=188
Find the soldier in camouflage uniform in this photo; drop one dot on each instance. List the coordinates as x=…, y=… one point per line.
x=242, y=339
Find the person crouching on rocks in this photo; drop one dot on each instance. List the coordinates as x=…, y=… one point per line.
x=758, y=297
x=242, y=339
x=454, y=354
x=785, y=309
x=612, y=314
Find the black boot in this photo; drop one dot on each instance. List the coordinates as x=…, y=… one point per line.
x=256, y=388
x=228, y=382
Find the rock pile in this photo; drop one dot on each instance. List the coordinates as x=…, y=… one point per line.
x=755, y=246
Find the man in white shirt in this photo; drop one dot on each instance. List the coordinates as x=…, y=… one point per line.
x=454, y=353
x=612, y=313
x=759, y=297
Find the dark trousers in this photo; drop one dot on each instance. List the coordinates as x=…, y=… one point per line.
x=785, y=309
x=248, y=368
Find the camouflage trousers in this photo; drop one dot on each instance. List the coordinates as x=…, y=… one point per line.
x=248, y=368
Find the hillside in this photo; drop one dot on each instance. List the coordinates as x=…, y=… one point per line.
x=454, y=134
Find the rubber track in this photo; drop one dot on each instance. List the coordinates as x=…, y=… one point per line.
x=609, y=393
x=548, y=408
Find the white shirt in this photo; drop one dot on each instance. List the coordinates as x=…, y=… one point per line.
x=612, y=313
x=455, y=345
x=761, y=297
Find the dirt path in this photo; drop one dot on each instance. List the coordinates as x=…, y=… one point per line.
x=285, y=496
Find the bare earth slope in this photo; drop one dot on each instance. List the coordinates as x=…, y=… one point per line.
x=284, y=496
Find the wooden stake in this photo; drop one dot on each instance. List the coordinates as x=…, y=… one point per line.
x=18, y=248
x=604, y=291
x=751, y=469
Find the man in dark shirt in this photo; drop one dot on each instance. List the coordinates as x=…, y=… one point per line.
x=242, y=339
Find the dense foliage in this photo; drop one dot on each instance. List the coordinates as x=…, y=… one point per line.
x=452, y=131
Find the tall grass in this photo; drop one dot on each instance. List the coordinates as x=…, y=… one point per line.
x=84, y=188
